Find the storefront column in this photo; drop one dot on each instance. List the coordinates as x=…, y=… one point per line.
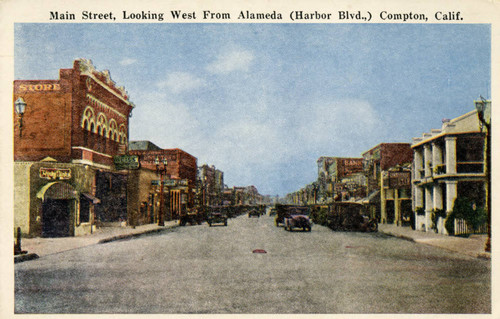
x=397, y=208
x=418, y=165
x=383, y=199
x=451, y=195
x=451, y=155
x=418, y=200
x=429, y=202
x=428, y=160
x=437, y=155
x=437, y=197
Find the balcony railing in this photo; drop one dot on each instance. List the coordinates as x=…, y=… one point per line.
x=462, y=168
x=470, y=167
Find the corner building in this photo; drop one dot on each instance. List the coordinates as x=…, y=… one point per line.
x=448, y=163
x=64, y=143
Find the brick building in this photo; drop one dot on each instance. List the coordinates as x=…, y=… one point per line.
x=376, y=161
x=179, y=181
x=64, y=144
x=331, y=171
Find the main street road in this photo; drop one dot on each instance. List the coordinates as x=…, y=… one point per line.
x=201, y=269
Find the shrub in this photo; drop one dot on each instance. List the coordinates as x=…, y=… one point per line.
x=435, y=217
x=465, y=208
x=449, y=224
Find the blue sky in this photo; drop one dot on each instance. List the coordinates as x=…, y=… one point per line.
x=262, y=102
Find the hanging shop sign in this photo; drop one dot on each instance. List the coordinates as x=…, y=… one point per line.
x=399, y=179
x=55, y=173
x=126, y=162
x=171, y=182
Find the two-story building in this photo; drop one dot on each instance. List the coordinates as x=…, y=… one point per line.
x=448, y=163
x=66, y=133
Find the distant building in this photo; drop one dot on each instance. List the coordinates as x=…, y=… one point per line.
x=331, y=171
x=449, y=163
x=379, y=159
x=179, y=181
x=143, y=146
x=211, y=185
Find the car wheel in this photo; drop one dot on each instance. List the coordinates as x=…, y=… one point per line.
x=225, y=223
x=209, y=224
x=309, y=228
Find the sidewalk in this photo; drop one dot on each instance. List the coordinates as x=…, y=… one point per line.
x=39, y=247
x=472, y=246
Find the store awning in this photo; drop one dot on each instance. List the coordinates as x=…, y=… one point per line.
x=373, y=198
x=91, y=198
x=56, y=190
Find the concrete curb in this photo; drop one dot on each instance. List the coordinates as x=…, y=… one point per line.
x=399, y=236
x=482, y=255
x=129, y=236
x=24, y=257
x=111, y=238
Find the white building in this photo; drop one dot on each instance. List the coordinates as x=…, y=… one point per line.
x=448, y=163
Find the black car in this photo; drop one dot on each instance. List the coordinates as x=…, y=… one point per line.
x=297, y=217
x=216, y=215
x=347, y=216
x=253, y=212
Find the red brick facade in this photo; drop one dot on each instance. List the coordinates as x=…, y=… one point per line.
x=82, y=118
x=180, y=165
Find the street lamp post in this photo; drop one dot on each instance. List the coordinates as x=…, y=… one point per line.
x=20, y=107
x=162, y=171
x=485, y=120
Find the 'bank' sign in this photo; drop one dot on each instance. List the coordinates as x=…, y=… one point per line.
x=55, y=173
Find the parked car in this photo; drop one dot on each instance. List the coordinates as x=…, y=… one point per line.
x=192, y=216
x=253, y=212
x=281, y=212
x=348, y=216
x=216, y=215
x=272, y=211
x=297, y=217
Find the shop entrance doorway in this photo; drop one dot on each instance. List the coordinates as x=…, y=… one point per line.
x=56, y=218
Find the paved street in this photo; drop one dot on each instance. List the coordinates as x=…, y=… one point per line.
x=201, y=269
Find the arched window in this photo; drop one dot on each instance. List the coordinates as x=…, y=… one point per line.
x=113, y=130
x=88, y=118
x=102, y=124
x=122, y=134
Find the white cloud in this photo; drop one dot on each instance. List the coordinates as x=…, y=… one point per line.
x=338, y=125
x=178, y=82
x=235, y=60
x=170, y=124
x=127, y=61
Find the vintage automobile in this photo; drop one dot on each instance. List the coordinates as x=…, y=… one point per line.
x=281, y=212
x=272, y=211
x=192, y=216
x=216, y=215
x=297, y=217
x=253, y=212
x=349, y=216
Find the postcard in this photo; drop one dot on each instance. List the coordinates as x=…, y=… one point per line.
x=314, y=158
